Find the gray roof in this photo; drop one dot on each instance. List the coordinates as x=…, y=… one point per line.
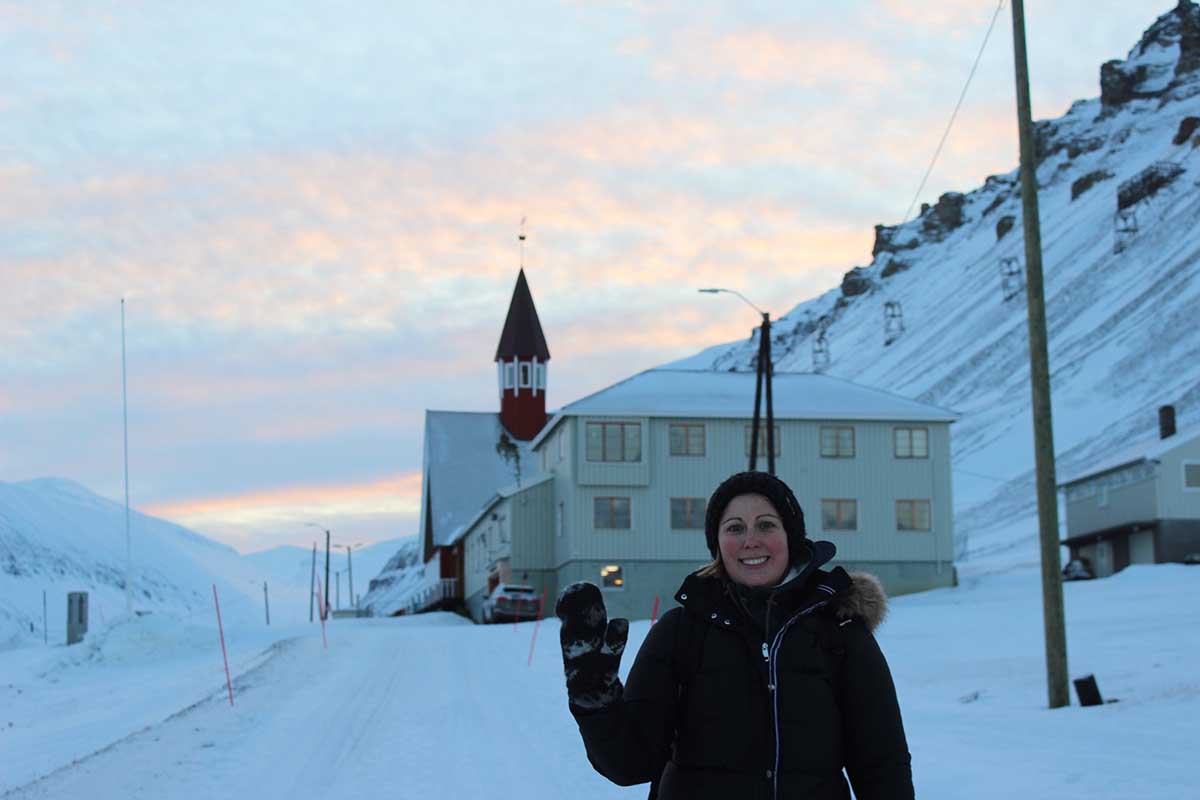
x=681, y=393
x=1146, y=450
x=463, y=469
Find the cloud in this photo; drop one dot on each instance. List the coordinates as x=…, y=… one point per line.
x=797, y=57
x=281, y=514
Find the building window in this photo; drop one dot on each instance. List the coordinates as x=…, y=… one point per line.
x=1191, y=476
x=687, y=439
x=612, y=577
x=509, y=375
x=912, y=515
x=839, y=514
x=526, y=375
x=837, y=441
x=762, y=439
x=912, y=442
x=611, y=513
x=540, y=374
x=687, y=513
x=561, y=520
x=614, y=441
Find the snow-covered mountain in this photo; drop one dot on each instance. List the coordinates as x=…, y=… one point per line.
x=58, y=537
x=400, y=576
x=1118, y=180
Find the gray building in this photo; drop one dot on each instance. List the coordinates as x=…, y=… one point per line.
x=623, y=476
x=1139, y=506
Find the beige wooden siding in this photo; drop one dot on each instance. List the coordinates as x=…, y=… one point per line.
x=532, y=512
x=1110, y=506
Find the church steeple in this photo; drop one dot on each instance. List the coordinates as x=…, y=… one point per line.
x=521, y=366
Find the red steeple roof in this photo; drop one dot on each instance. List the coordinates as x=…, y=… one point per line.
x=522, y=337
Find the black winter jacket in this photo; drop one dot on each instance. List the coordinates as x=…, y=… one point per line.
x=771, y=696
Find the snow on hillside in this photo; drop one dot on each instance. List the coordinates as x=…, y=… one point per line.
x=58, y=537
x=401, y=576
x=1118, y=178
x=432, y=706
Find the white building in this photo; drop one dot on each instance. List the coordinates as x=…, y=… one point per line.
x=1140, y=505
x=625, y=474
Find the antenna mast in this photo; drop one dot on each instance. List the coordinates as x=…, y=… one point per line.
x=521, y=239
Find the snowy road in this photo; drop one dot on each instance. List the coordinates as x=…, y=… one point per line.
x=382, y=713
x=433, y=707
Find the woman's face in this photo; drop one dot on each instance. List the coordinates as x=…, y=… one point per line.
x=752, y=540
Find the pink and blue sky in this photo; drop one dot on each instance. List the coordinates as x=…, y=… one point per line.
x=311, y=209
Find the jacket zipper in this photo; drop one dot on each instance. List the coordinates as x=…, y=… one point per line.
x=772, y=657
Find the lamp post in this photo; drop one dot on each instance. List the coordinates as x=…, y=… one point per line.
x=325, y=593
x=763, y=374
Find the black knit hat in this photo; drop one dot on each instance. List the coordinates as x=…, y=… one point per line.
x=770, y=487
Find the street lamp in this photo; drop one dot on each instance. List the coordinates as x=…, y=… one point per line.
x=325, y=594
x=763, y=373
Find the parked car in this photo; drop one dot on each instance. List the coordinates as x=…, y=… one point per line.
x=1192, y=558
x=1078, y=569
x=511, y=601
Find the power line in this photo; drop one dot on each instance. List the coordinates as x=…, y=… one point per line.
x=957, y=107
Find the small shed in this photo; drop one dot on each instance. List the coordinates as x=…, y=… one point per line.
x=1140, y=506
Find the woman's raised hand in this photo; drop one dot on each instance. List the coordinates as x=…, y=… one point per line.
x=592, y=645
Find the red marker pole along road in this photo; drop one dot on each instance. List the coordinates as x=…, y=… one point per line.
x=224, y=654
x=654, y=613
x=321, y=600
x=541, y=608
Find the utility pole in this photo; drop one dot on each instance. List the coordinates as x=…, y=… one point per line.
x=325, y=594
x=1039, y=374
x=266, y=602
x=769, y=372
x=125, y=421
x=763, y=372
x=312, y=581
x=350, y=569
x=337, y=580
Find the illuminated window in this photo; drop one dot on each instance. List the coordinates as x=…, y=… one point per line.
x=612, y=577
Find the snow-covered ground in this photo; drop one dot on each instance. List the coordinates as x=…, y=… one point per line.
x=431, y=706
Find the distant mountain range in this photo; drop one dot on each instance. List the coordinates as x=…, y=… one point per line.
x=58, y=537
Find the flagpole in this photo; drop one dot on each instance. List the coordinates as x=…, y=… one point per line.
x=125, y=417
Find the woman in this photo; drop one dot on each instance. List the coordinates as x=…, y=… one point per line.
x=766, y=683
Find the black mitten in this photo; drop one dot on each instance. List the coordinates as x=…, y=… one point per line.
x=592, y=646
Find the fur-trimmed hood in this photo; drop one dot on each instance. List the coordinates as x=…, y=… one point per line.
x=864, y=598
